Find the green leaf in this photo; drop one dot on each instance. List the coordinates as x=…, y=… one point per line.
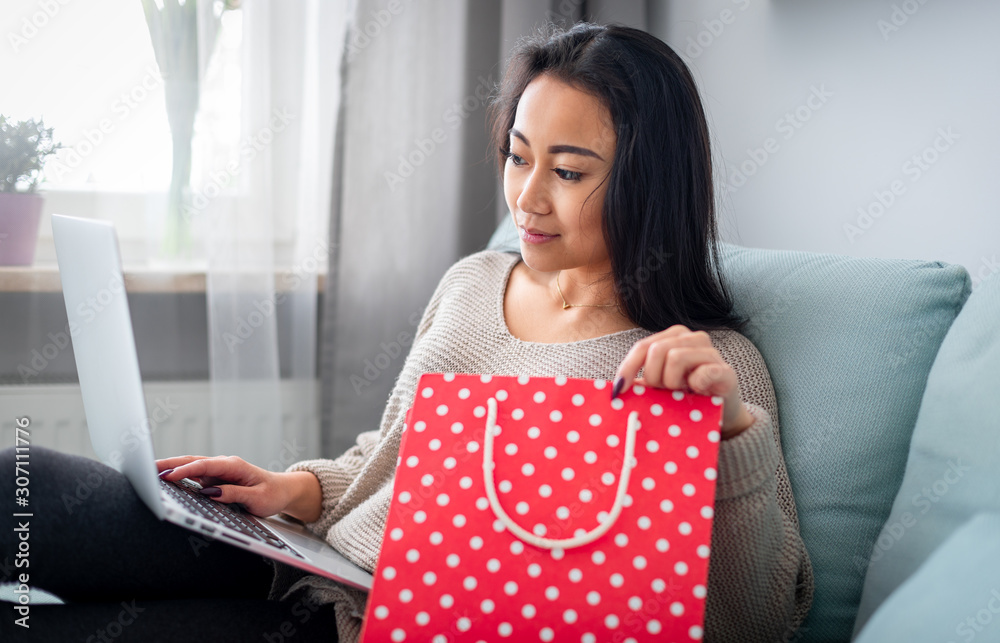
x=24, y=147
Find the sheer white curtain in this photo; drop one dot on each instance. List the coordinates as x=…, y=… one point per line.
x=263, y=182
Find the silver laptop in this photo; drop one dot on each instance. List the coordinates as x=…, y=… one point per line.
x=93, y=287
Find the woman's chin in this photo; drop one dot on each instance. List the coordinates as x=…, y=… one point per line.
x=537, y=259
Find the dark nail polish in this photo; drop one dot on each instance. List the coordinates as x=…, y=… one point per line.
x=165, y=472
x=617, y=388
x=211, y=492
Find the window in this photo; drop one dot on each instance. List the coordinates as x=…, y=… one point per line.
x=90, y=71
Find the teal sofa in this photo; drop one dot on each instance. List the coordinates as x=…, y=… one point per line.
x=887, y=377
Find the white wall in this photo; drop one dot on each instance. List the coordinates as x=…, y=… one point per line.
x=873, y=84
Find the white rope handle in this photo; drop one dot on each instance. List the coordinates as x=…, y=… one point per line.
x=550, y=543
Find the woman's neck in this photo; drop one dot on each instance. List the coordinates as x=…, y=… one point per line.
x=584, y=287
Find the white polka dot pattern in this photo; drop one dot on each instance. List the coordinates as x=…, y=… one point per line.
x=450, y=570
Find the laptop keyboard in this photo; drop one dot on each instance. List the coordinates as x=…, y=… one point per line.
x=229, y=515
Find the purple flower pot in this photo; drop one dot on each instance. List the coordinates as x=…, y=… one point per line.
x=19, y=216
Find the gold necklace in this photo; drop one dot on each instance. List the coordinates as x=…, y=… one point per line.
x=565, y=305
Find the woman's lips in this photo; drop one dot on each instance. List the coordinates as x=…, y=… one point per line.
x=529, y=237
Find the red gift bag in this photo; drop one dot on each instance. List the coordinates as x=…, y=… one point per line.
x=573, y=518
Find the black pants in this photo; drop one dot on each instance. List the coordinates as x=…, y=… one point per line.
x=127, y=576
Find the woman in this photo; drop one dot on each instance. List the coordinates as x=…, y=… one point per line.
x=607, y=174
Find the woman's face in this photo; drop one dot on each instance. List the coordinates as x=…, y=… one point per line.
x=561, y=148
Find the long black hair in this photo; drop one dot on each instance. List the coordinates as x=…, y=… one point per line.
x=659, y=210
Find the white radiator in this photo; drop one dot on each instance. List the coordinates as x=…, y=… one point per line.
x=58, y=421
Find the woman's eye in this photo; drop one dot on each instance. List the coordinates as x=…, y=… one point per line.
x=567, y=175
x=515, y=159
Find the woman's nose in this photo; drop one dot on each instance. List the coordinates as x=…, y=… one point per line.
x=534, y=197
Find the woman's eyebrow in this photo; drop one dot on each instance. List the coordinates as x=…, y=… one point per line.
x=559, y=149
x=573, y=149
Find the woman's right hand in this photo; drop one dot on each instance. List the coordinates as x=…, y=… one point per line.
x=263, y=493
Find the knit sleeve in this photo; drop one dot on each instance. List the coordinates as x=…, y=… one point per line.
x=760, y=581
x=337, y=475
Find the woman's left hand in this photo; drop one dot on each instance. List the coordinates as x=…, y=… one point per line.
x=678, y=358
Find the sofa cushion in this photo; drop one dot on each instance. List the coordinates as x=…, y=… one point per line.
x=954, y=456
x=848, y=343
x=953, y=596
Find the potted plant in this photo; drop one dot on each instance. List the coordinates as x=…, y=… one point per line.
x=24, y=147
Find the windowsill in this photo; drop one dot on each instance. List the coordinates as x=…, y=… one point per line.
x=45, y=278
x=127, y=210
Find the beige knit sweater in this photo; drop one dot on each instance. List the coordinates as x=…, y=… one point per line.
x=760, y=580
